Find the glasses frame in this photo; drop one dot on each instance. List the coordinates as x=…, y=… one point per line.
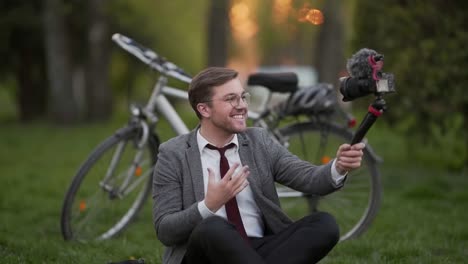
x=234, y=99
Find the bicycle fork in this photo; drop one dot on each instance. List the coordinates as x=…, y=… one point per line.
x=135, y=169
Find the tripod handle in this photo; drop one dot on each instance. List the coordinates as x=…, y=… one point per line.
x=371, y=116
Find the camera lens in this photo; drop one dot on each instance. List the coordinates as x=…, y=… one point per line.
x=352, y=88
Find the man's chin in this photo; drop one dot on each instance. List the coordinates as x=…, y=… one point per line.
x=240, y=128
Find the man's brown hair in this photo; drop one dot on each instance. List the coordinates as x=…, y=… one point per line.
x=201, y=87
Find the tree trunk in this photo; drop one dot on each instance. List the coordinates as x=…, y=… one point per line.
x=98, y=92
x=218, y=26
x=465, y=132
x=330, y=59
x=32, y=93
x=62, y=105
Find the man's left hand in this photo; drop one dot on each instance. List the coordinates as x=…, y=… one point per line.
x=349, y=157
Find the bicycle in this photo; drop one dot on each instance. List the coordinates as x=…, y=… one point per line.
x=113, y=183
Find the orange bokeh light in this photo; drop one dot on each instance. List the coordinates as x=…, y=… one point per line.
x=138, y=171
x=242, y=21
x=313, y=16
x=82, y=206
x=325, y=159
x=281, y=10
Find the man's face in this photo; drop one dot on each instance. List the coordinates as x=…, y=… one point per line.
x=228, y=111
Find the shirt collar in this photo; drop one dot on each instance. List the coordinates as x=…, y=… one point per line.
x=202, y=142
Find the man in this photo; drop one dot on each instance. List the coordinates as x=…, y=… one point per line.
x=221, y=206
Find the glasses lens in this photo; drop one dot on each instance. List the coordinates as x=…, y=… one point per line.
x=244, y=98
x=235, y=100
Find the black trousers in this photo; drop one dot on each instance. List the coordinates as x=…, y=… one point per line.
x=307, y=240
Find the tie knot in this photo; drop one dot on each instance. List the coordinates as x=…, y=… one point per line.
x=223, y=149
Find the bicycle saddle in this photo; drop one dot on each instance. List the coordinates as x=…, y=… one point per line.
x=284, y=82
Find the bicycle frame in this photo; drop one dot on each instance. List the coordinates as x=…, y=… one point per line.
x=159, y=102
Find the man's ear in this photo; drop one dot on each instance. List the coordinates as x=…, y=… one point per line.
x=204, y=110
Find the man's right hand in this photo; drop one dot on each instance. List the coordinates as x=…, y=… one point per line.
x=220, y=192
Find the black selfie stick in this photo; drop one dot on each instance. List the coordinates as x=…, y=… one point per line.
x=375, y=110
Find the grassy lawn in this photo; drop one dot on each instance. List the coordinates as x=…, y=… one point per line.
x=422, y=219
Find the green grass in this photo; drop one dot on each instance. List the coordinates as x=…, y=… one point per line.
x=422, y=218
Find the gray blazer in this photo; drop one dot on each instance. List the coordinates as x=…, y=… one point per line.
x=178, y=185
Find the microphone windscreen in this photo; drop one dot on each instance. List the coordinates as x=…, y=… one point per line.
x=358, y=65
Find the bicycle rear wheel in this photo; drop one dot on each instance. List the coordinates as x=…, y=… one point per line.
x=356, y=204
x=99, y=207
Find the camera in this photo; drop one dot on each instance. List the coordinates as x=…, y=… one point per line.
x=352, y=88
x=366, y=76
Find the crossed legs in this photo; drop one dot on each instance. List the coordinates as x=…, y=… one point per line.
x=306, y=241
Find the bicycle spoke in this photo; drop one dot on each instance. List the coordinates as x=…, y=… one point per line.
x=88, y=215
x=137, y=182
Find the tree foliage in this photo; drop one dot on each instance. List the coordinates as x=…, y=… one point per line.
x=425, y=47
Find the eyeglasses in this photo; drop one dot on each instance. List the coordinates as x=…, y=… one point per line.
x=234, y=99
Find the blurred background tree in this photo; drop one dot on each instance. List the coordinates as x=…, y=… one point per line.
x=56, y=59
x=22, y=71
x=424, y=45
x=62, y=102
x=331, y=43
x=218, y=32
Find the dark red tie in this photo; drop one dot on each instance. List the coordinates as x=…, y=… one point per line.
x=232, y=210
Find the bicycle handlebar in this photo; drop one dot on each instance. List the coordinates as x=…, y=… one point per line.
x=151, y=58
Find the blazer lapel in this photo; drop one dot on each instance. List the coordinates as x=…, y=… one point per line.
x=247, y=158
x=192, y=157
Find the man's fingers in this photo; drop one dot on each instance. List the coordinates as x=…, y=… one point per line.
x=240, y=176
x=344, y=147
x=236, y=172
x=352, y=153
x=350, y=159
x=349, y=165
x=227, y=177
x=239, y=181
x=358, y=146
x=241, y=187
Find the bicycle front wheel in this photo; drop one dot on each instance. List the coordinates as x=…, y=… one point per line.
x=356, y=204
x=110, y=187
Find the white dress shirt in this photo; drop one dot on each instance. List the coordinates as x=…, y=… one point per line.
x=249, y=211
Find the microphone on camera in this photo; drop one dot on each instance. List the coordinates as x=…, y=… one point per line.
x=358, y=65
x=364, y=70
